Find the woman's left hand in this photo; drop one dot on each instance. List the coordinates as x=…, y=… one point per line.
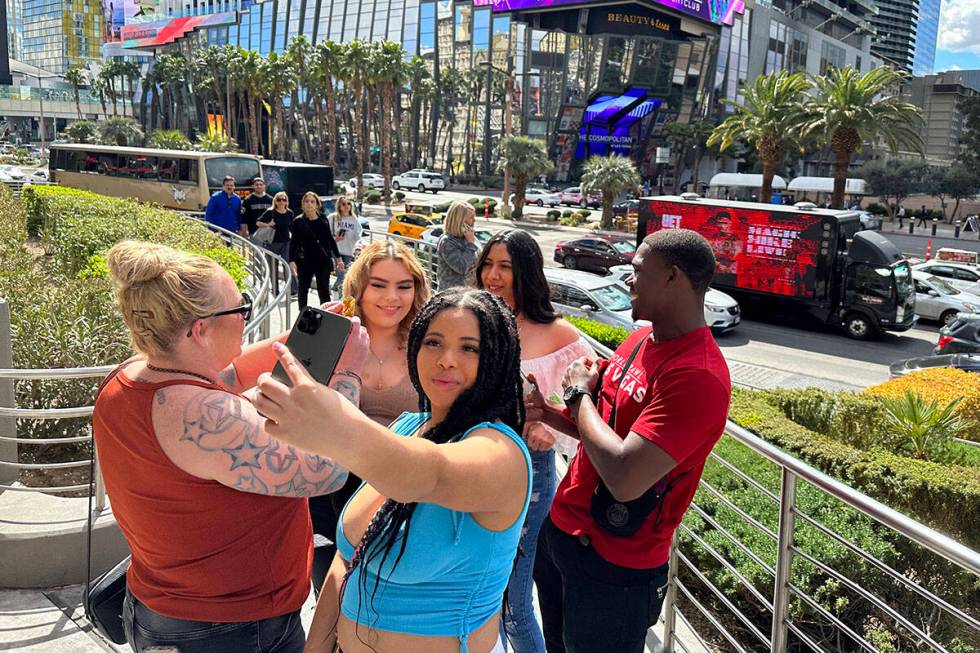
x=340, y=265
x=539, y=438
x=296, y=415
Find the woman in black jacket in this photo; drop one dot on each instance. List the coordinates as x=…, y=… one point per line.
x=313, y=251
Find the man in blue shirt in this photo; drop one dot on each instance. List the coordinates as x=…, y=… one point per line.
x=224, y=208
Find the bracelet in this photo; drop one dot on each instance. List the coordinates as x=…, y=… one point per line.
x=352, y=374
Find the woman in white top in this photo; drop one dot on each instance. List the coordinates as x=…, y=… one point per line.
x=511, y=266
x=346, y=230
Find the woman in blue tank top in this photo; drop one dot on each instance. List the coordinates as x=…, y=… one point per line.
x=425, y=547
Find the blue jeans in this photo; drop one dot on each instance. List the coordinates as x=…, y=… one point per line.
x=338, y=284
x=146, y=628
x=521, y=627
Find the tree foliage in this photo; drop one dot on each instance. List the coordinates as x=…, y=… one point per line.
x=121, y=131
x=168, y=139
x=970, y=136
x=609, y=175
x=524, y=158
x=894, y=179
x=82, y=131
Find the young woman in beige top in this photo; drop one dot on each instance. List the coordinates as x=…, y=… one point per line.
x=389, y=287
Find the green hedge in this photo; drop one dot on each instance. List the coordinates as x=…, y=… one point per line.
x=479, y=204
x=75, y=226
x=610, y=336
x=946, y=497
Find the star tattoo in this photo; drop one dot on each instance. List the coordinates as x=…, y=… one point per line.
x=246, y=454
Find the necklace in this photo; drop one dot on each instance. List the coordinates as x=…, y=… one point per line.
x=168, y=370
x=379, y=386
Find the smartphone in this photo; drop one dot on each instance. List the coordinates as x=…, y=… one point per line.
x=316, y=340
x=341, y=233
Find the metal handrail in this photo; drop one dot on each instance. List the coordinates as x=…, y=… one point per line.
x=783, y=625
x=261, y=265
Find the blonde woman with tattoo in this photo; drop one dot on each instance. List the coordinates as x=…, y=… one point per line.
x=214, y=509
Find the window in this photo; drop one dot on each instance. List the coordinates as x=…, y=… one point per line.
x=612, y=298
x=966, y=275
x=577, y=298
x=942, y=271
x=244, y=170
x=831, y=55
x=867, y=280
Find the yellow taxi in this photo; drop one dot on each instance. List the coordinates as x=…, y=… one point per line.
x=410, y=225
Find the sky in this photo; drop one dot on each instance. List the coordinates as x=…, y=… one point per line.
x=959, y=36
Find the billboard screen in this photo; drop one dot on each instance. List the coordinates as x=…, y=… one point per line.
x=156, y=33
x=719, y=12
x=764, y=251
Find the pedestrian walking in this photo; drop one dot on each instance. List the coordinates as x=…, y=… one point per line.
x=646, y=422
x=313, y=252
x=923, y=216
x=279, y=219
x=225, y=207
x=457, y=248
x=255, y=205
x=901, y=216
x=346, y=229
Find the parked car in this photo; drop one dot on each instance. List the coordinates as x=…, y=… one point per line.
x=961, y=336
x=627, y=209
x=572, y=196
x=40, y=174
x=965, y=362
x=433, y=234
x=580, y=294
x=963, y=276
x=721, y=312
x=870, y=220
x=410, y=225
x=596, y=253
x=937, y=300
x=420, y=180
x=13, y=172
x=371, y=180
x=539, y=197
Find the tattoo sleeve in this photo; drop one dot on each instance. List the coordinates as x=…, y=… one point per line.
x=348, y=386
x=223, y=435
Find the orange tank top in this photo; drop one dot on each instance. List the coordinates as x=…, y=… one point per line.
x=200, y=550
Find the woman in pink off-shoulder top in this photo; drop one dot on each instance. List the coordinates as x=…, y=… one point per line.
x=511, y=266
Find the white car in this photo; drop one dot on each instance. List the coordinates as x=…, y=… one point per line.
x=937, y=300
x=539, y=197
x=420, y=180
x=13, y=172
x=582, y=294
x=39, y=175
x=371, y=180
x=721, y=311
x=963, y=276
x=870, y=220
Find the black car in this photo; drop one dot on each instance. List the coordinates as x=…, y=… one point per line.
x=594, y=253
x=627, y=209
x=966, y=362
x=961, y=336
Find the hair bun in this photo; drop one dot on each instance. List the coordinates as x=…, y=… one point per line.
x=132, y=262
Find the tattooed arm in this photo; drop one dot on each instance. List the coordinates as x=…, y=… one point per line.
x=219, y=436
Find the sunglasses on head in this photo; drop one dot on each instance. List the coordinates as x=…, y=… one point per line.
x=245, y=309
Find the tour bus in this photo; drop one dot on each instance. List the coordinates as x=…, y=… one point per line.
x=176, y=179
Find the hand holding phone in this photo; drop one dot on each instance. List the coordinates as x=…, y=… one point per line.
x=317, y=340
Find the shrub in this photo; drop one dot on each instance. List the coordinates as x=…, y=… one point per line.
x=567, y=213
x=480, y=204
x=926, y=428
x=372, y=196
x=946, y=497
x=492, y=181
x=609, y=336
x=554, y=214
x=168, y=139
x=215, y=141
x=584, y=213
x=854, y=419
x=82, y=131
x=441, y=208
x=943, y=385
x=876, y=209
x=573, y=220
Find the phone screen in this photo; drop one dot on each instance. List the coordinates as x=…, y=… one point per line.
x=316, y=340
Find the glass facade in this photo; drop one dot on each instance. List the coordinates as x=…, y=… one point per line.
x=555, y=75
x=15, y=22
x=926, y=33
x=58, y=34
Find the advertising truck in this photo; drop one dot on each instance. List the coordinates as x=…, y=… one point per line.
x=796, y=259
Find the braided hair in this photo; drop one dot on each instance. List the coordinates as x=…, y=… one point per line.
x=531, y=294
x=495, y=396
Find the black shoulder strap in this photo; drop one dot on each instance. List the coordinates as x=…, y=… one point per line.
x=626, y=369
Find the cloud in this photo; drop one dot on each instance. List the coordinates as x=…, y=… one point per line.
x=959, y=26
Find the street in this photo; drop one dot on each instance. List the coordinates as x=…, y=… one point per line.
x=766, y=353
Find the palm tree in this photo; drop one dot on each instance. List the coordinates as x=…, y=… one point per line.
x=849, y=109
x=168, y=139
x=250, y=88
x=215, y=141
x=357, y=60
x=98, y=86
x=279, y=80
x=420, y=83
x=391, y=75
x=610, y=175
x=524, y=158
x=76, y=78
x=303, y=57
x=770, y=117
x=328, y=57
x=108, y=75
x=130, y=73
x=212, y=62
x=121, y=131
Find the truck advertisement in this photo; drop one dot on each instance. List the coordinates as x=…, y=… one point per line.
x=756, y=250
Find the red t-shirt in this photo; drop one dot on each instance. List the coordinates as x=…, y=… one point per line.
x=676, y=395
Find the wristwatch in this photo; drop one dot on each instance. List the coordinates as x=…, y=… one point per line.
x=573, y=393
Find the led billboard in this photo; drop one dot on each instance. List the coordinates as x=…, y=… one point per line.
x=161, y=32
x=608, y=121
x=719, y=12
x=764, y=251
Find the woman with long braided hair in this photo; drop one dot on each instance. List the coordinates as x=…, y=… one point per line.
x=438, y=520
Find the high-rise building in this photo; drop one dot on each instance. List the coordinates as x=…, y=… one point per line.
x=586, y=79
x=5, y=78
x=939, y=96
x=895, y=26
x=59, y=34
x=15, y=20
x=926, y=33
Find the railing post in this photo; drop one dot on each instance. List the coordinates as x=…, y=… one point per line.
x=8, y=425
x=99, y=484
x=669, y=610
x=784, y=562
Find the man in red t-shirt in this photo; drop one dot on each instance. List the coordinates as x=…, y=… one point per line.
x=601, y=565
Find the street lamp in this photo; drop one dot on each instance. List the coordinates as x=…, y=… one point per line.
x=508, y=93
x=40, y=97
